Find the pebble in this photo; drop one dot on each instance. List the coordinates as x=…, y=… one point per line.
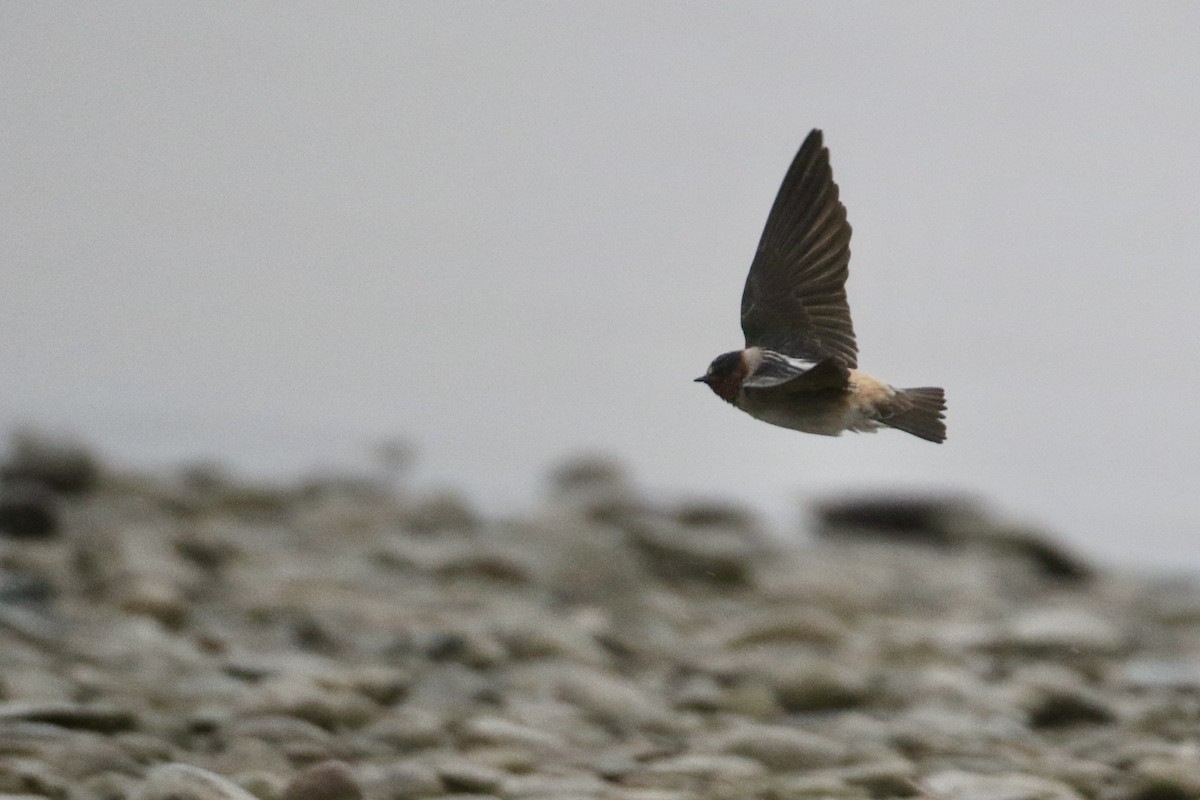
x=60, y=465
x=206, y=640
x=178, y=781
x=1066, y=632
x=781, y=748
x=961, y=785
x=28, y=511
x=402, y=780
x=328, y=780
x=73, y=716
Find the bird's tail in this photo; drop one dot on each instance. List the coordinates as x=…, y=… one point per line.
x=924, y=417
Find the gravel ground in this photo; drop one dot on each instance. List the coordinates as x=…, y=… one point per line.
x=193, y=637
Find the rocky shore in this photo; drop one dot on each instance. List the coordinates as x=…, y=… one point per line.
x=192, y=637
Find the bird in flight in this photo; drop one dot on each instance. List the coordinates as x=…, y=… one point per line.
x=799, y=368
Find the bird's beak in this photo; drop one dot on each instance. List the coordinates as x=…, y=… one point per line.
x=701, y=379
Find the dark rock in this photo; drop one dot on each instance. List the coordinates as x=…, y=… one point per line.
x=60, y=466
x=702, y=514
x=444, y=512
x=938, y=521
x=328, y=780
x=73, y=716
x=25, y=588
x=1049, y=558
x=28, y=511
x=946, y=522
x=1064, y=709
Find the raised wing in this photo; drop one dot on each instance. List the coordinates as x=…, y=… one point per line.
x=795, y=296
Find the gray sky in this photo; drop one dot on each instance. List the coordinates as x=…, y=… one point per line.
x=272, y=232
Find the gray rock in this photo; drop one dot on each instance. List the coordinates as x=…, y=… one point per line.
x=1174, y=774
x=707, y=555
x=959, y=785
x=611, y=700
x=407, y=729
x=464, y=775
x=781, y=748
x=402, y=780
x=178, y=781
x=1067, y=632
x=491, y=730
x=577, y=785
x=699, y=771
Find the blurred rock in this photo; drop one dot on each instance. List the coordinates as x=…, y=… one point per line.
x=73, y=716
x=328, y=780
x=713, y=554
x=28, y=511
x=961, y=785
x=945, y=522
x=215, y=639
x=186, y=782
x=444, y=512
x=402, y=780
x=938, y=521
x=782, y=748
x=59, y=465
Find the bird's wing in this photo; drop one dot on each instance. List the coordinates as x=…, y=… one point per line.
x=829, y=373
x=795, y=296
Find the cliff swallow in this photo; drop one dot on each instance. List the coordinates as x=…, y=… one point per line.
x=799, y=367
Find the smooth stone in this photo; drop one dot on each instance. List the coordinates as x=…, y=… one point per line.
x=1067, y=708
x=491, y=730
x=960, y=785
x=158, y=600
x=28, y=511
x=33, y=775
x=787, y=626
x=73, y=716
x=889, y=776
x=676, y=552
x=61, y=465
x=440, y=514
x=696, y=770
x=938, y=520
x=328, y=780
x=697, y=692
x=814, y=786
x=407, y=729
x=553, y=786
x=1178, y=772
x=819, y=686
x=781, y=748
x=301, y=697
x=401, y=780
x=1064, y=631
x=611, y=700
x=179, y=781
x=1162, y=673
x=463, y=775
x=279, y=729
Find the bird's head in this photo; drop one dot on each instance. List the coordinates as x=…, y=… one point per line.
x=725, y=375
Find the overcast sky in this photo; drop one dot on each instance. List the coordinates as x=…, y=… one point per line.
x=273, y=232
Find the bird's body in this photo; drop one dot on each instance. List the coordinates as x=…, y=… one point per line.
x=799, y=368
